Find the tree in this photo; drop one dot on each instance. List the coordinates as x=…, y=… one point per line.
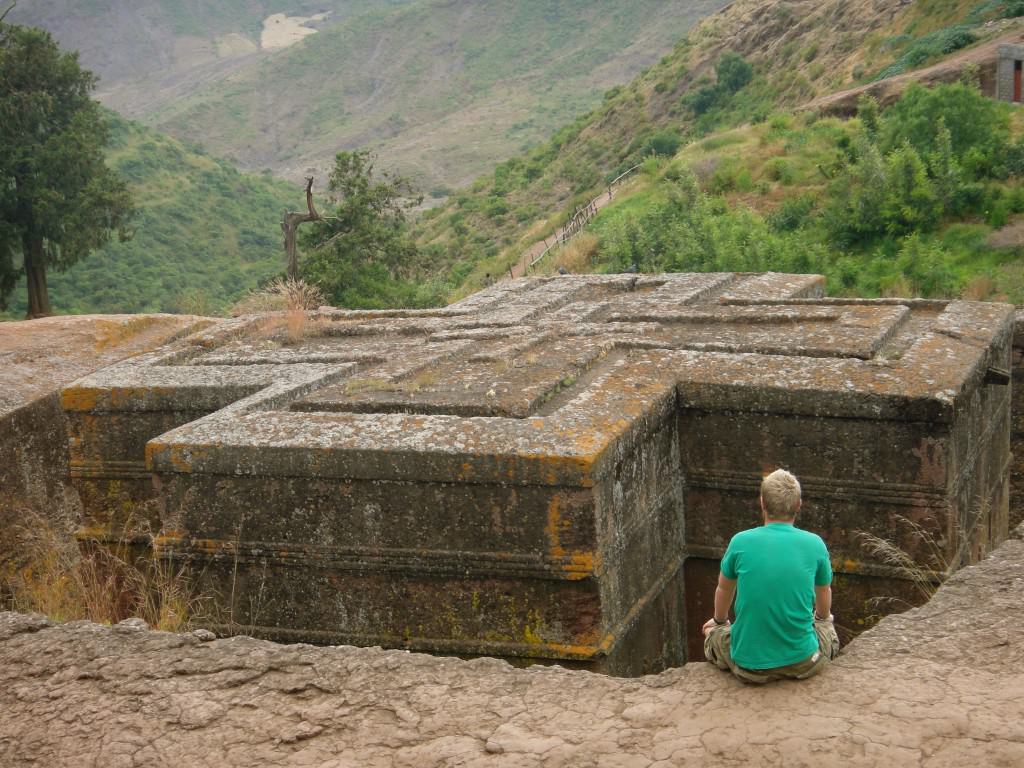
x=733, y=72
x=367, y=237
x=290, y=226
x=975, y=122
x=867, y=111
x=857, y=196
x=910, y=201
x=943, y=166
x=58, y=199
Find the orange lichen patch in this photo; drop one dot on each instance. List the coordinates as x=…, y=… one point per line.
x=580, y=652
x=212, y=546
x=180, y=457
x=580, y=566
x=79, y=398
x=555, y=527
x=122, y=396
x=112, y=333
x=168, y=539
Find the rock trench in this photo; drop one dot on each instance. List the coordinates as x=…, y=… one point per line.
x=941, y=685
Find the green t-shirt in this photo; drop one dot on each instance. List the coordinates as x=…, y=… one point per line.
x=777, y=567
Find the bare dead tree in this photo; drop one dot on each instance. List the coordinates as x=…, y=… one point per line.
x=290, y=226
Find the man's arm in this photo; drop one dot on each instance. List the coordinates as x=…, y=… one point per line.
x=822, y=603
x=724, y=593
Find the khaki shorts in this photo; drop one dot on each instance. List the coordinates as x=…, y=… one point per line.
x=717, y=650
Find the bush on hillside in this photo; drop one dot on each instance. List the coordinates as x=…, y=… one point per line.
x=974, y=121
x=733, y=72
x=662, y=144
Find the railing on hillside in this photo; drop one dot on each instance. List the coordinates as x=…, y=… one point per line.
x=579, y=219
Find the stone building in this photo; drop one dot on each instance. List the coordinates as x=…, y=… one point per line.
x=550, y=469
x=1009, y=73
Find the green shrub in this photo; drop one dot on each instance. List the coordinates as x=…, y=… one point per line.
x=663, y=144
x=792, y=214
x=781, y=170
x=910, y=202
x=974, y=122
x=938, y=43
x=998, y=214
x=702, y=99
x=733, y=72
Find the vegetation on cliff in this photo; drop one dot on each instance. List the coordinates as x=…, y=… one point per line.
x=693, y=96
x=893, y=205
x=439, y=90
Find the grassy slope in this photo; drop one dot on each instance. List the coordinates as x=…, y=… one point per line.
x=439, y=88
x=205, y=233
x=750, y=174
x=799, y=50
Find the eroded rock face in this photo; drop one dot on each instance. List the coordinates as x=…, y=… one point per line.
x=939, y=686
x=549, y=469
x=37, y=359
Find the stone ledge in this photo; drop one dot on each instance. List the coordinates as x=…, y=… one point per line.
x=941, y=685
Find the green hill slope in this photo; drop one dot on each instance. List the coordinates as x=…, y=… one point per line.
x=205, y=233
x=798, y=50
x=440, y=89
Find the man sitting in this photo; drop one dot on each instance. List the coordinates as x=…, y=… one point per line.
x=781, y=578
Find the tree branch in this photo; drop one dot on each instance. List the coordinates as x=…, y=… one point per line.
x=290, y=226
x=329, y=240
x=309, y=199
x=4, y=14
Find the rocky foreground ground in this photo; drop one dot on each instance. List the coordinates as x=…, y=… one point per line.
x=942, y=685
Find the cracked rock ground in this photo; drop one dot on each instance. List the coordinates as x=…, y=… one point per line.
x=941, y=685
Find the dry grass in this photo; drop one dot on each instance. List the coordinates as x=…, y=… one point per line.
x=899, y=288
x=68, y=580
x=577, y=255
x=286, y=303
x=278, y=295
x=359, y=386
x=981, y=288
x=931, y=567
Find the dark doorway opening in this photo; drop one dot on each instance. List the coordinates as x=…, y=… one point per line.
x=1016, y=80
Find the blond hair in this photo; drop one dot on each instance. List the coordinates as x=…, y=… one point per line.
x=780, y=494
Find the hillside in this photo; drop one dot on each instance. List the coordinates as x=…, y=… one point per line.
x=145, y=50
x=798, y=50
x=441, y=89
x=205, y=233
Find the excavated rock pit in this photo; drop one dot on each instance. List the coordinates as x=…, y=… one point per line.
x=550, y=469
x=941, y=686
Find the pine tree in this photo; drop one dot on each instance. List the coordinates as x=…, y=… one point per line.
x=58, y=199
x=910, y=200
x=942, y=164
x=867, y=111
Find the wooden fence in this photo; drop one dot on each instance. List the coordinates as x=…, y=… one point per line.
x=579, y=219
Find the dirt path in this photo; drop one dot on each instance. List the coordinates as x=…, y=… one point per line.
x=520, y=268
x=844, y=103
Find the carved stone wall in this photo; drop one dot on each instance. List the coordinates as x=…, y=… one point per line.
x=550, y=469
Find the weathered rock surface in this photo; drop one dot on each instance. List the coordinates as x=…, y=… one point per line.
x=37, y=358
x=942, y=685
x=549, y=469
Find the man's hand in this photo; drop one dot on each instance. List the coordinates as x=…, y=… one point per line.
x=710, y=624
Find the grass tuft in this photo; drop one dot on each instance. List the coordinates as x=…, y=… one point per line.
x=68, y=580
